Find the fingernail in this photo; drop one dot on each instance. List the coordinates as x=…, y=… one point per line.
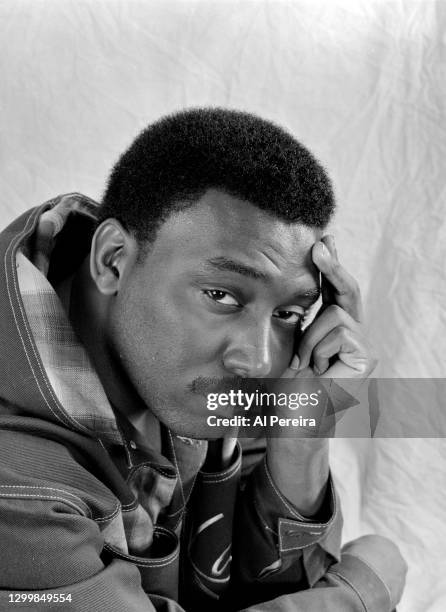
x=324, y=251
x=333, y=245
x=295, y=362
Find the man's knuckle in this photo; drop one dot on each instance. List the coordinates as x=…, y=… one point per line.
x=373, y=362
x=318, y=352
x=335, y=311
x=343, y=333
x=355, y=288
x=336, y=267
x=342, y=316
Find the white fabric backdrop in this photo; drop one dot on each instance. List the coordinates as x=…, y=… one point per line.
x=362, y=83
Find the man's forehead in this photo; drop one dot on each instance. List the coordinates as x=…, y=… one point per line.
x=221, y=221
x=224, y=234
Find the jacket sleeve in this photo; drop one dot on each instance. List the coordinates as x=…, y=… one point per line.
x=52, y=555
x=277, y=550
x=286, y=563
x=370, y=577
x=350, y=586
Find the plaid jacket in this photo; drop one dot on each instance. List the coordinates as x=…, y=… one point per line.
x=91, y=521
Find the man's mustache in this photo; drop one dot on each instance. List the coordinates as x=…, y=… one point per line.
x=203, y=385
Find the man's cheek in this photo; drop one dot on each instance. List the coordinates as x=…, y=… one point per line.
x=200, y=337
x=282, y=352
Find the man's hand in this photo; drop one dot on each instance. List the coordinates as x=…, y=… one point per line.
x=333, y=346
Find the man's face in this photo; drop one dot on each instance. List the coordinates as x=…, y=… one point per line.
x=220, y=295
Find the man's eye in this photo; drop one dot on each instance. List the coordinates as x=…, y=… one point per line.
x=289, y=316
x=221, y=297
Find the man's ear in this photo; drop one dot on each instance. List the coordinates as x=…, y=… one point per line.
x=113, y=250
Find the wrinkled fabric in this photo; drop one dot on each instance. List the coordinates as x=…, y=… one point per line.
x=362, y=83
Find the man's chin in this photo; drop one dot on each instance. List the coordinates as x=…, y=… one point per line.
x=190, y=417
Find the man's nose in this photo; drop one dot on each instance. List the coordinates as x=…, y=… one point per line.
x=248, y=354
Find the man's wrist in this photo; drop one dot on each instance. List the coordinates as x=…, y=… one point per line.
x=300, y=470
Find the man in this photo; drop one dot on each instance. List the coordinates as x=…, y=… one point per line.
x=195, y=273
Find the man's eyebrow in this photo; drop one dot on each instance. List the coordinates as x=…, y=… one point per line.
x=225, y=264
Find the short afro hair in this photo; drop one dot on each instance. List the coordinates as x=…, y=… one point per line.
x=175, y=160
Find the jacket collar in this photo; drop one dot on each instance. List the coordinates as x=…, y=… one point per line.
x=61, y=368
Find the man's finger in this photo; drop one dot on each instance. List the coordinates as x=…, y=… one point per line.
x=352, y=355
x=333, y=316
x=327, y=290
x=329, y=242
x=345, y=290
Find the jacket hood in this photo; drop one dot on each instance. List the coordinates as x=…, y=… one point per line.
x=45, y=371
